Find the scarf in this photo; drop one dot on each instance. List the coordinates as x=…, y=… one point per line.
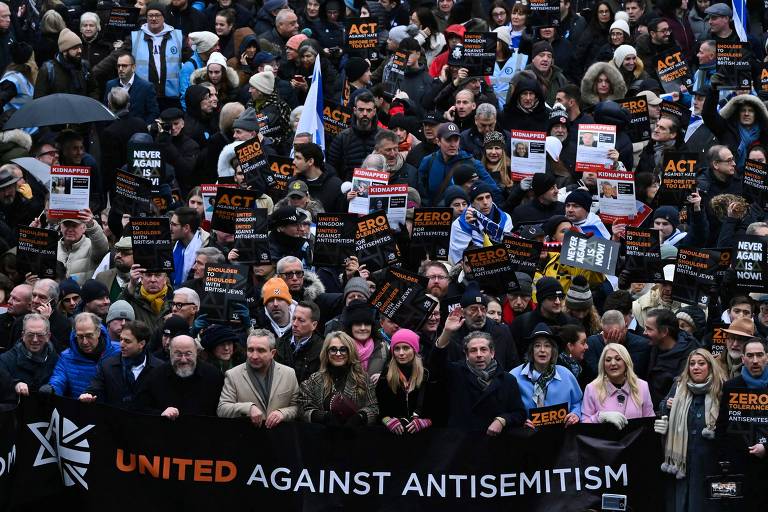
x=541, y=383
x=263, y=385
x=404, y=373
x=485, y=227
x=128, y=364
x=365, y=350
x=760, y=382
x=77, y=73
x=658, y=151
x=39, y=357
x=746, y=137
x=676, y=446
x=528, y=110
x=485, y=376
x=156, y=300
x=569, y=362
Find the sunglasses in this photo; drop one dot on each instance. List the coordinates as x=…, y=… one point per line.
x=338, y=350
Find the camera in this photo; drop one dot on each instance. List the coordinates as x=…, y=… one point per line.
x=165, y=126
x=614, y=502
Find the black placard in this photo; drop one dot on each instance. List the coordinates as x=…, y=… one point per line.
x=224, y=289
x=228, y=202
x=678, y=177
x=590, y=253
x=123, y=19
x=251, y=232
x=401, y=297
x=695, y=275
x=763, y=85
x=36, y=251
x=643, y=252
x=544, y=13
x=334, y=238
x=479, y=53
x=718, y=339
x=640, y=121
x=681, y=113
x=132, y=194
x=277, y=176
x=253, y=162
x=145, y=160
x=491, y=268
x=673, y=70
x=361, y=34
x=431, y=232
x=750, y=263
x=336, y=118
x=396, y=72
x=748, y=414
x=549, y=415
x=733, y=64
x=755, y=182
x=375, y=243
x=152, y=245
x=523, y=253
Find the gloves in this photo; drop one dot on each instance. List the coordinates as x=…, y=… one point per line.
x=200, y=323
x=356, y=420
x=392, y=425
x=526, y=183
x=418, y=424
x=616, y=419
x=716, y=80
x=241, y=308
x=661, y=425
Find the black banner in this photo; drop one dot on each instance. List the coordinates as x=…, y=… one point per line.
x=639, y=121
x=223, y=289
x=643, y=252
x=431, y=232
x=251, y=232
x=123, y=19
x=733, y=64
x=755, y=182
x=673, y=70
x=401, y=297
x=479, y=55
x=36, y=251
x=544, y=13
x=277, y=176
x=748, y=415
x=677, y=110
x=375, y=243
x=334, y=238
x=523, y=253
x=678, y=178
x=8, y=454
x=362, y=34
x=145, y=160
x=491, y=268
x=229, y=201
x=152, y=245
x=253, y=162
x=132, y=194
x=590, y=253
x=336, y=118
x=84, y=452
x=750, y=263
x=694, y=275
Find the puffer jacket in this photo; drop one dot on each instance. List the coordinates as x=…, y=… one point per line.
x=84, y=256
x=227, y=91
x=350, y=147
x=589, y=96
x=14, y=144
x=74, y=371
x=725, y=124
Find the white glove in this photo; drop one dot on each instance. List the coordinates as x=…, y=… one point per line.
x=526, y=183
x=661, y=426
x=616, y=419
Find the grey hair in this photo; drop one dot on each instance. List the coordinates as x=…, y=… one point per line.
x=286, y=260
x=485, y=110
x=383, y=135
x=191, y=294
x=714, y=153
x=375, y=161
x=118, y=98
x=752, y=228
x=213, y=254
x=613, y=317
x=295, y=116
x=263, y=333
x=307, y=48
x=95, y=320
x=282, y=14
x=29, y=317
x=52, y=287
x=478, y=335
x=92, y=17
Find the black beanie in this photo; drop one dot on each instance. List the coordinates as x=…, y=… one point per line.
x=542, y=182
x=215, y=335
x=355, y=68
x=357, y=312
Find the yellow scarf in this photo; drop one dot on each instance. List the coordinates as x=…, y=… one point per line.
x=156, y=300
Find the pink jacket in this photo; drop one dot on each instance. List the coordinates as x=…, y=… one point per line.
x=619, y=400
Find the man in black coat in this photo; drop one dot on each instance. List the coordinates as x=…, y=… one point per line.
x=183, y=385
x=542, y=207
x=178, y=149
x=183, y=16
x=114, y=138
x=323, y=186
x=482, y=396
x=300, y=347
x=551, y=298
x=30, y=362
x=526, y=108
x=202, y=120
x=669, y=351
x=352, y=145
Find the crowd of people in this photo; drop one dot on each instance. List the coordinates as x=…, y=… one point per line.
x=198, y=78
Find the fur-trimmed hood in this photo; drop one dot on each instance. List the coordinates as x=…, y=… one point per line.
x=224, y=168
x=17, y=137
x=589, y=96
x=313, y=287
x=201, y=75
x=731, y=109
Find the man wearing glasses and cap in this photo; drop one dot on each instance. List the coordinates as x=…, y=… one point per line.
x=82, y=245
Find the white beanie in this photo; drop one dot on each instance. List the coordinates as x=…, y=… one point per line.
x=621, y=25
x=553, y=147
x=203, y=41
x=504, y=34
x=217, y=58
x=621, y=53
x=264, y=81
x=621, y=15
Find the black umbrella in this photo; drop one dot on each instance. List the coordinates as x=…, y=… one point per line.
x=59, y=109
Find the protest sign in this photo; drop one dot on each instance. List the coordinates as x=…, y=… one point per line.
x=123, y=19
x=132, y=194
x=152, y=245
x=479, y=53
x=549, y=415
x=678, y=178
x=732, y=61
x=747, y=414
x=694, y=275
x=523, y=253
x=673, y=70
x=227, y=203
x=529, y=155
x=253, y=162
x=643, y=252
x=590, y=253
x=393, y=199
x=375, y=243
x=277, y=176
x=491, y=268
x=334, y=239
x=223, y=294
x=762, y=87
x=69, y=192
x=750, y=263
x=36, y=251
x=402, y=298
x=755, y=182
x=396, y=73
x=431, y=232
x=719, y=337
x=616, y=194
x=145, y=160
x=208, y=191
x=594, y=141
x=679, y=112
x=639, y=119
x=362, y=34
x=362, y=181
x=251, y=233
x=336, y=119
x=544, y=13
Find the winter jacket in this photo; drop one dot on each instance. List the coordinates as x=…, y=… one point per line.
x=14, y=144
x=313, y=399
x=681, y=33
x=589, y=97
x=403, y=404
x=195, y=395
x=698, y=23
x=647, y=52
x=725, y=124
x=563, y=388
x=166, y=82
x=74, y=371
x=142, y=309
x=82, y=258
x=109, y=385
x=416, y=83
x=664, y=367
x=515, y=118
x=226, y=91
x=188, y=20
x=649, y=301
x=143, y=99
x=535, y=212
x=96, y=50
x=637, y=346
x=61, y=76
x=350, y=147
x=433, y=169
x=33, y=370
x=504, y=346
x=588, y=46
x=522, y=327
x=327, y=189
x=181, y=152
x=263, y=21
x=552, y=84
x=306, y=361
x=197, y=125
x=189, y=66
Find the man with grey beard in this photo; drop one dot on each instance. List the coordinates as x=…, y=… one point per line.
x=183, y=385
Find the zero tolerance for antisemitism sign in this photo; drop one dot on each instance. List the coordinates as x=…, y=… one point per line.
x=209, y=463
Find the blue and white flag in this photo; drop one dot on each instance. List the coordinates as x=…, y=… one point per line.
x=311, y=120
x=740, y=19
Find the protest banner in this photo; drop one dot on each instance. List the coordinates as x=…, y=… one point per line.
x=678, y=178
x=673, y=70
x=36, y=251
x=393, y=199
x=679, y=112
x=132, y=194
x=719, y=337
x=762, y=87
x=491, y=268
x=223, y=296
x=152, y=245
x=544, y=13
x=639, y=118
x=145, y=160
x=755, y=182
x=123, y=19
x=401, y=297
x=529, y=154
x=694, y=275
x=431, y=232
x=396, y=73
x=336, y=119
x=362, y=181
x=750, y=263
x=208, y=191
x=616, y=195
x=549, y=415
x=251, y=237
x=523, y=253
x=227, y=203
x=375, y=243
x=277, y=175
x=69, y=191
x=594, y=142
x=334, y=239
x=732, y=61
x=361, y=34
x=643, y=251
x=747, y=414
x=590, y=253
x=479, y=55
x=253, y=162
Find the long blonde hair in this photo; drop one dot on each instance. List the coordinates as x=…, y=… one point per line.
x=718, y=377
x=600, y=382
x=355, y=367
x=417, y=376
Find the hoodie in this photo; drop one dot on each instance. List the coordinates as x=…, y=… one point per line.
x=515, y=117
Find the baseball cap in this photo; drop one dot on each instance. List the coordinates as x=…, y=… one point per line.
x=448, y=130
x=297, y=188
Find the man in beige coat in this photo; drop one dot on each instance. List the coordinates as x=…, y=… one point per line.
x=261, y=389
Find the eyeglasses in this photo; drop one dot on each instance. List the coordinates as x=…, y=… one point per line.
x=179, y=305
x=437, y=278
x=338, y=350
x=295, y=273
x=183, y=355
x=53, y=152
x=154, y=16
x=727, y=160
x=35, y=335
x=86, y=336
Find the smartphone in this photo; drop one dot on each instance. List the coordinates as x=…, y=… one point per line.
x=299, y=78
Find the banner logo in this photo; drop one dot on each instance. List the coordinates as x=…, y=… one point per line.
x=63, y=443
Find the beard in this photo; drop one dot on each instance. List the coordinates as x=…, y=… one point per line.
x=185, y=371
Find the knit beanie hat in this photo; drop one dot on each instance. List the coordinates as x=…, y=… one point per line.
x=217, y=58
x=542, y=182
x=293, y=42
x=355, y=68
x=539, y=47
x=203, y=42
x=504, y=34
x=464, y=173
x=551, y=224
x=454, y=192
x=473, y=295
x=273, y=5
x=120, y=309
x=247, y=121
x=175, y=326
x=478, y=188
x=621, y=25
x=579, y=295
x=400, y=32
x=357, y=284
x=548, y=288
x=68, y=40
x=668, y=213
x=524, y=284
x=357, y=312
x=622, y=52
x=92, y=290
x=275, y=288
x=215, y=335
x=67, y=287
x=553, y=147
x=493, y=139
x=581, y=197
x=264, y=81
x=406, y=336
x=156, y=6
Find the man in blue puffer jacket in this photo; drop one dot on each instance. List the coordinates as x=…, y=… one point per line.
x=88, y=345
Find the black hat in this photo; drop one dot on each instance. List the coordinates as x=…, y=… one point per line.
x=524, y=284
x=531, y=231
x=355, y=68
x=580, y=197
x=542, y=330
x=156, y=6
x=551, y=224
x=548, y=288
x=464, y=173
x=542, y=182
x=92, y=290
x=357, y=312
x=171, y=114
x=557, y=116
x=67, y=287
x=175, y=326
x=478, y=188
x=473, y=295
x=453, y=192
x=434, y=118
x=215, y=335
x=287, y=215
x=20, y=52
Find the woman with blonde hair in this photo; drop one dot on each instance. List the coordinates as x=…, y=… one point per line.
x=340, y=393
x=689, y=415
x=617, y=394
